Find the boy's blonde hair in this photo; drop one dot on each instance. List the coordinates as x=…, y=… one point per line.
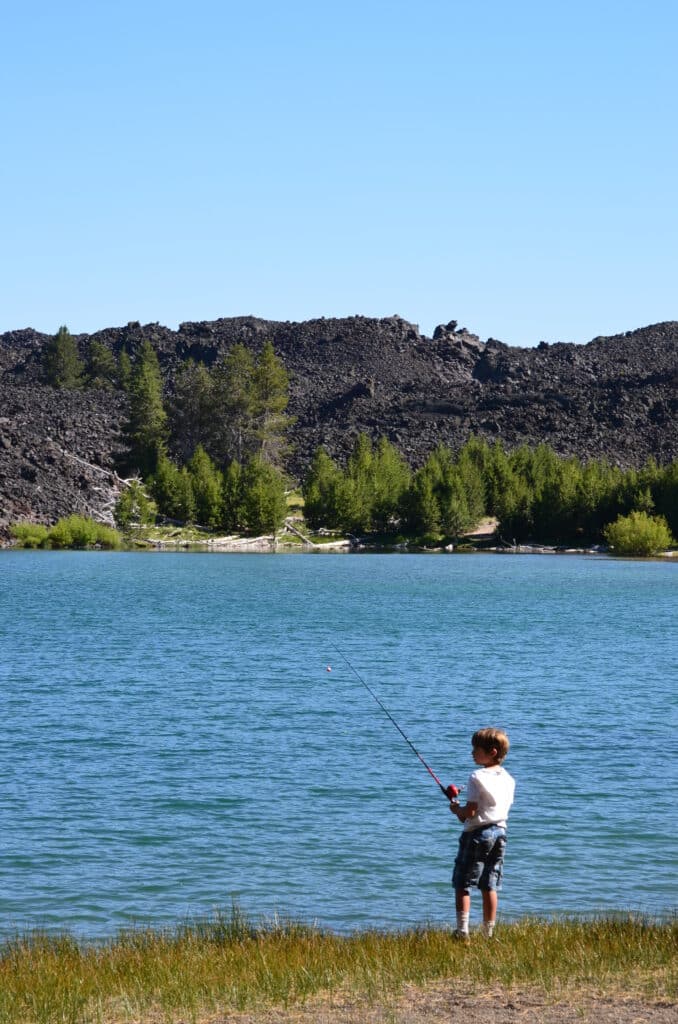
x=492, y=739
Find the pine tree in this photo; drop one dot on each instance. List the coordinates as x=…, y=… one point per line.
x=194, y=410
x=270, y=399
x=102, y=367
x=124, y=376
x=321, y=491
x=665, y=493
x=232, y=515
x=264, y=503
x=234, y=403
x=471, y=463
x=134, y=506
x=147, y=428
x=207, y=488
x=62, y=365
x=172, y=489
x=594, y=498
x=356, y=497
x=421, y=504
x=391, y=479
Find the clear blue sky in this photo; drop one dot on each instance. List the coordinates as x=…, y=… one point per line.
x=512, y=166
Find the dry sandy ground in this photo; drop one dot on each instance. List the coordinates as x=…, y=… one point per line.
x=448, y=1003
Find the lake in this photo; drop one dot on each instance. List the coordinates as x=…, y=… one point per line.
x=174, y=742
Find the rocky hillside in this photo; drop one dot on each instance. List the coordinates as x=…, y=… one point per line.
x=615, y=397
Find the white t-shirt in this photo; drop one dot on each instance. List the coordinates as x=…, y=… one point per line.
x=492, y=789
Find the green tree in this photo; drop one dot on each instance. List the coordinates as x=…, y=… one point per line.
x=638, y=534
x=594, y=498
x=62, y=365
x=264, y=502
x=321, y=490
x=510, y=495
x=193, y=410
x=554, y=505
x=172, y=489
x=270, y=399
x=421, y=504
x=134, y=506
x=232, y=515
x=125, y=371
x=471, y=463
x=448, y=485
x=234, y=401
x=207, y=488
x=390, y=481
x=355, y=492
x=665, y=494
x=102, y=366
x=147, y=427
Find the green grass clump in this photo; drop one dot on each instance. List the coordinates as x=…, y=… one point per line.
x=225, y=963
x=70, y=532
x=30, y=535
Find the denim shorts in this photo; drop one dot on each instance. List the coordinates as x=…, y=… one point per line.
x=480, y=860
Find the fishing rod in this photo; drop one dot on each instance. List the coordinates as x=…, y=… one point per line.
x=451, y=792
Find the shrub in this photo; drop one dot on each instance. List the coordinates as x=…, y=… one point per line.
x=73, y=532
x=638, y=534
x=30, y=535
x=108, y=538
x=70, y=532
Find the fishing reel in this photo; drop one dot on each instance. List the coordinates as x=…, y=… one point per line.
x=451, y=792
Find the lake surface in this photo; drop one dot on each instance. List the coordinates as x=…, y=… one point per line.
x=173, y=740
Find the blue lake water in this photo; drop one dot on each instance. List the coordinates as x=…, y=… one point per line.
x=172, y=740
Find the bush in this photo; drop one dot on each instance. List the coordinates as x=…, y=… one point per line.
x=638, y=534
x=108, y=538
x=30, y=535
x=73, y=532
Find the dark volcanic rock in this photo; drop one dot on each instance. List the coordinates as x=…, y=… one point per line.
x=615, y=397
x=57, y=452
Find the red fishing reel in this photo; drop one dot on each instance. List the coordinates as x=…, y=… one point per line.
x=451, y=792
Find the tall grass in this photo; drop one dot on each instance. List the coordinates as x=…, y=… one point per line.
x=71, y=532
x=226, y=963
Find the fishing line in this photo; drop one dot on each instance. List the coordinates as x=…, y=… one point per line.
x=451, y=792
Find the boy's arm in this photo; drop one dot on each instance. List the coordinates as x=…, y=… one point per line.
x=469, y=810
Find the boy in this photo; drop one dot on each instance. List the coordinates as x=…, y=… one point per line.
x=483, y=841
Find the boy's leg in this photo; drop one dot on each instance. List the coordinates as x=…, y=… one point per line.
x=490, y=900
x=462, y=880
x=463, y=907
x=490, y=881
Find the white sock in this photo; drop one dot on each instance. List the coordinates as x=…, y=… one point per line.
x=488, y=929
x=462, y=921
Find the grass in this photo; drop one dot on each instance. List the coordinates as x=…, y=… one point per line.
x=225, y=963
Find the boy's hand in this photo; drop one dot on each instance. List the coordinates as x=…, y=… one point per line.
x=466, y=812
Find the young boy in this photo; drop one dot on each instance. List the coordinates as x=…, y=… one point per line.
x=483, y=841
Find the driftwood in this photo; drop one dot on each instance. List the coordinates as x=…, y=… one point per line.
x=112, y=486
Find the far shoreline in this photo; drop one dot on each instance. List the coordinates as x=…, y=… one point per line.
x=273, y=546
